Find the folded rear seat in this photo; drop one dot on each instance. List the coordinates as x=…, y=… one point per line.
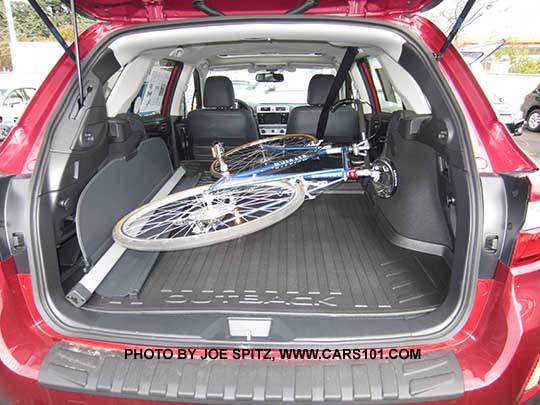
x=136, y=169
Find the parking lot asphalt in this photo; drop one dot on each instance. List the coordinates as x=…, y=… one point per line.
x=530, y=142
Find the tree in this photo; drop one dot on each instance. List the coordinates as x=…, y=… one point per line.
x=446, y=14
x=29, y=26
x=520, y=59
x=5, y=54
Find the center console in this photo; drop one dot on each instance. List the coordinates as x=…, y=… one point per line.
x=272, y=119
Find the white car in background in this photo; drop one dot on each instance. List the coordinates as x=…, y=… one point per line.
x=12, y=104
x=474, y=56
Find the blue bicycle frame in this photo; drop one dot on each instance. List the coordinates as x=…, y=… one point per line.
x=336, y=176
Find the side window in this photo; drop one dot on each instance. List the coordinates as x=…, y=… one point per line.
x=29, y=92
x=108, y=86
x=14, y=98
x=191, y=95
x=149, y=101
x=389, y=100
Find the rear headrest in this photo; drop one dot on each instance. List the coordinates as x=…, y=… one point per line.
x=318, y=89
x=218, y=92
x=126, y=131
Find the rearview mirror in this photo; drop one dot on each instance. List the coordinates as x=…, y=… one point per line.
x=269, y=77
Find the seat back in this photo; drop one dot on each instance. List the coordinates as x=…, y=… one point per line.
x=342, y=124
x=219, y=120
x=122, y=185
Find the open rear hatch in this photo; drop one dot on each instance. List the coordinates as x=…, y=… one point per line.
x=164, y=10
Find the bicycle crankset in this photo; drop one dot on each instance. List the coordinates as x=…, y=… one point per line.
x=384, y=178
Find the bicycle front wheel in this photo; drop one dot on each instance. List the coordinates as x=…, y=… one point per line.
x=204, y=216
x=263, y=152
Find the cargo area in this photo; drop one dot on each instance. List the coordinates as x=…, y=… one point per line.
x=348, y=264
x=329, y=257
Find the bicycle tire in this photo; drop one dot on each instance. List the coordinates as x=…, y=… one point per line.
x=251, y=159
x=190, y=240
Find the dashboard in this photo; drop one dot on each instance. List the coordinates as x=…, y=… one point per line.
x=272, y=118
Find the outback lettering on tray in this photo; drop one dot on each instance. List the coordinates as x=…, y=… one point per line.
x=315, y=299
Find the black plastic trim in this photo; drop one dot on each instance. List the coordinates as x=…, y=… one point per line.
x=436, y=376
x=4, y=241
x=16, y=201
x=517, y=198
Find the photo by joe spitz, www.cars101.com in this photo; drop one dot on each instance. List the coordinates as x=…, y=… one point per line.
x=266, y=202
x=531, y=110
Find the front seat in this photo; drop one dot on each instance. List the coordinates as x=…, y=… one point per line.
x=342, y=124
x=219, y=120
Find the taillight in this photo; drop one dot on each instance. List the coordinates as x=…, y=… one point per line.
x=527, y=249
x=528, y=96
x=534, y=378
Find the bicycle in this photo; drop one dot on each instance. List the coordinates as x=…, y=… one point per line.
x=248, y=197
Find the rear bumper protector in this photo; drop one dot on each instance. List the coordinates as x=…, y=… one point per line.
x=437, y=376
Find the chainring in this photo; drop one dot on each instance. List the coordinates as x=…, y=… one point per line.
x=386, y=183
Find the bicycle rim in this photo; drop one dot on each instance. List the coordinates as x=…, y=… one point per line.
x=201, y=216
x=253, y=155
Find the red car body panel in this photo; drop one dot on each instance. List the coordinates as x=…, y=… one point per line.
x=497, y=348
x=142, y=11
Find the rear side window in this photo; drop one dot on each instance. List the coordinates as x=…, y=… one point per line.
x=192, y=94
x=149, y=101
x=389, y=100
x=108, y=86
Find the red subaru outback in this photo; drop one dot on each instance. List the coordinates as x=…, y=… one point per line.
x=429, y=295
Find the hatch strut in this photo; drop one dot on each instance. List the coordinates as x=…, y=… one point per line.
x=41, y=14
x=75, y=56
x=77, y=53
x=301, y=9
x=455, y=29
x=205, y=8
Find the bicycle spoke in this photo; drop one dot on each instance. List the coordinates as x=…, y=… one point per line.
x=208, y=212
x=264, y=152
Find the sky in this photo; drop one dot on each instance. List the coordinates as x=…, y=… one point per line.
x=519, y=18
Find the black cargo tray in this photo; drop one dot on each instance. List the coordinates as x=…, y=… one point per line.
x=329, y=257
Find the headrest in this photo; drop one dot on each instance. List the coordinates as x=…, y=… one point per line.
x=126, y=131
x=318, y=89
x=218, y=92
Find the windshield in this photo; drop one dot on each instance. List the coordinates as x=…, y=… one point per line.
x=293, y=89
